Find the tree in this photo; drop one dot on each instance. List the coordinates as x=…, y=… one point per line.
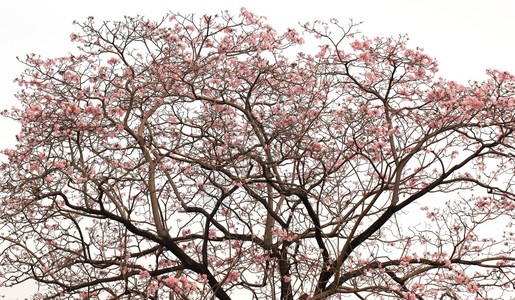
x=207, y=157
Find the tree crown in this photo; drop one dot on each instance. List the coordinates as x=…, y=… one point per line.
x=198, y=158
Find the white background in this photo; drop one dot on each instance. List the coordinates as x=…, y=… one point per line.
x=465, y=36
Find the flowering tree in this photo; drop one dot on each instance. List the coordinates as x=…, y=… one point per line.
x=194, y=158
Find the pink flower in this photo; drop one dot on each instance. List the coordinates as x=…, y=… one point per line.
x=233, y=276
x=410, y=296
x=49, y=178
x=34, y=167
x=472, y=288
x=152, y=288
x=59, y=165
x=144, y=274
x=171, y=281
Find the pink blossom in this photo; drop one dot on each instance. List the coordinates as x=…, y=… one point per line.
x=144, y=274
x=59, y=164
x=233, y=276
x=172, y=281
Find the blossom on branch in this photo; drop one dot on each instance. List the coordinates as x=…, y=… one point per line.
x=200, y=157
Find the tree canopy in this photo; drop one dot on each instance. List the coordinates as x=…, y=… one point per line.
x=200, y=157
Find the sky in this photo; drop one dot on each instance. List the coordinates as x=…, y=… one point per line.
x=465, y=36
